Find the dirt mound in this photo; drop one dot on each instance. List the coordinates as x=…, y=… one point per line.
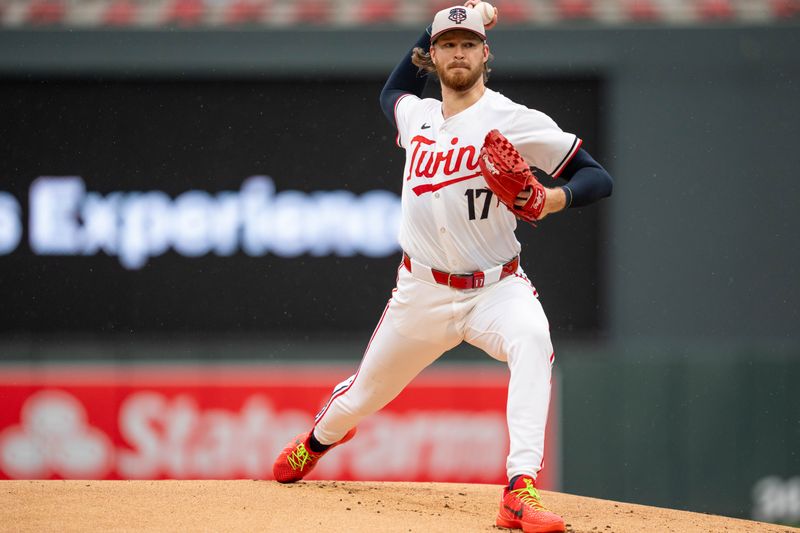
x=316, y=506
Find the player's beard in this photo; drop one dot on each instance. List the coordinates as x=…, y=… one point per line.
x=459, y=79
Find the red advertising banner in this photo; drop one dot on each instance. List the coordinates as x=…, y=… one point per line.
x=208, y=422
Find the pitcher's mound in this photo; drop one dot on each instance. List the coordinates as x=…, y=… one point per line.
x=317, y=506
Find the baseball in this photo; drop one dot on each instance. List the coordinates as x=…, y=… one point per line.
x=486, y=10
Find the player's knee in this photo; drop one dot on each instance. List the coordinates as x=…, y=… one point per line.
x=535, y=340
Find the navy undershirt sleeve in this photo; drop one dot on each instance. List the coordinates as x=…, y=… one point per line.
x=404, y=79
x=587, y=181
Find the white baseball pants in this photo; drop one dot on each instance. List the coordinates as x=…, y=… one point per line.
x=422, y=321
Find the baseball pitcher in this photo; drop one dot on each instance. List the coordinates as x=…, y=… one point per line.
x=476, y=162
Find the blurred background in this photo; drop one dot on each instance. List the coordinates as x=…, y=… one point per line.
x=198, y=208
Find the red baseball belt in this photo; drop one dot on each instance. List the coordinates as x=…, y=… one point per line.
x=473, y=280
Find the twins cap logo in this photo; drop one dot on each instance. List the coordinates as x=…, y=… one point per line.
x=458, y=15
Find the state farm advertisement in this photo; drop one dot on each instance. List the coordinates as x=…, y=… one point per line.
x=157, y=422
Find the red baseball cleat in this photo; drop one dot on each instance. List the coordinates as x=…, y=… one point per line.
x=297, y=460
x=522, y=507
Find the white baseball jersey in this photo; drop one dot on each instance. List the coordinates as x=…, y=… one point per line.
x=450, y=221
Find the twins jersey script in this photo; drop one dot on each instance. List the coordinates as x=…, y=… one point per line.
x=451, y=221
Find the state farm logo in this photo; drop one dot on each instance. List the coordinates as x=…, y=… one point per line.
x=151, y=434
x=174, y=437
x=54, y=438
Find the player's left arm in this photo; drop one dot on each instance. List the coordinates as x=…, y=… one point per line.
x=556, y=153
x=587, y=180
x=587, y=183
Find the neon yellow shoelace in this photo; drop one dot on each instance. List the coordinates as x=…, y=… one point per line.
x=300, y=457
x=529, y=495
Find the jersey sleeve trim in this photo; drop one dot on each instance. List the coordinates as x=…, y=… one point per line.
x=576, y=145
x=397, y=103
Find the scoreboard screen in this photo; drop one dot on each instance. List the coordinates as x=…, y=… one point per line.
x=236, y=206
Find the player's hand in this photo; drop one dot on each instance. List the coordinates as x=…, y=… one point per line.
x=555, y=200
x=522, y=198
x=473, y=3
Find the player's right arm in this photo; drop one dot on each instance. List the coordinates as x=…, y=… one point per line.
x=405, y=79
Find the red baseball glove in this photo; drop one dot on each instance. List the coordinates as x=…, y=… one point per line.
x=507, y=175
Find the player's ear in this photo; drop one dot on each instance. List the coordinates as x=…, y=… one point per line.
x=432, y=53
x=485, y=52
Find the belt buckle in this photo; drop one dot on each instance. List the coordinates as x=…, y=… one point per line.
x=449, y=275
